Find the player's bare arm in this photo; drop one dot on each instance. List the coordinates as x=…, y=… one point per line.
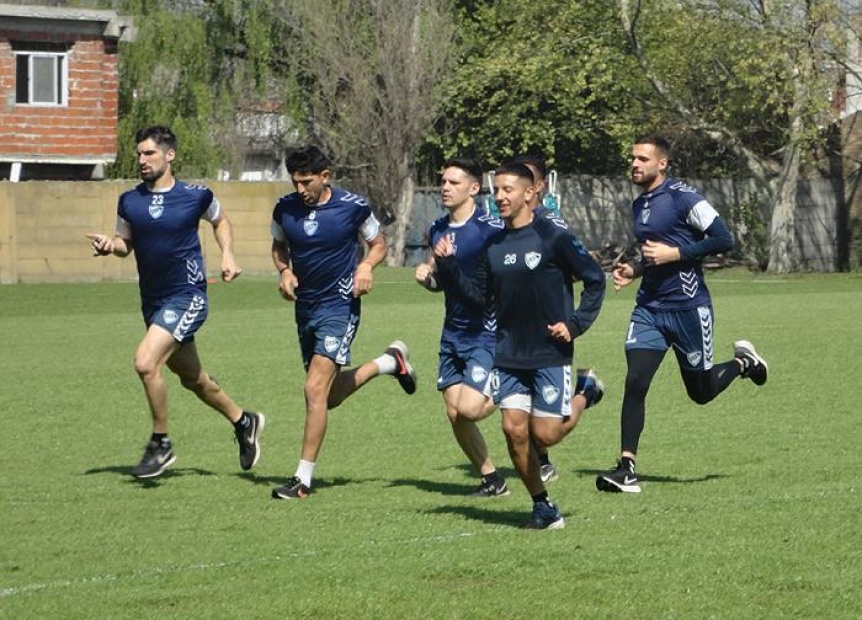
x=363, y=279
x=223, y=232
x=103, y=245
x=287, y=282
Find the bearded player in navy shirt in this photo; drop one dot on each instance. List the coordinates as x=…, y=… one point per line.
x=527, y=274
x=317, y=232
x=676, y=228
x=158, y=220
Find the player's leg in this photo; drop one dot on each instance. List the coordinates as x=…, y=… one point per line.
x=150, y=357
x=247, y=425
x=186, y=364
x=691, y=334
x=513, y=394
x=339, y=330
x=645, y=348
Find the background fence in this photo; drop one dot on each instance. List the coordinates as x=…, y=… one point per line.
x=42, y=224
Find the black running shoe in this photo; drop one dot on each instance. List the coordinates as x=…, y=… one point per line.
x=403, y=370
x=491, y=489
x=546, y=516
x=292, y=489
x=548, y=472
x=155, y=461
x=623, y=479
x=249, y=440
x=754, y=366
x=589, y=384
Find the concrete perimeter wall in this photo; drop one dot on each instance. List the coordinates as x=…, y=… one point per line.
x=42, y=227
x=42, y=223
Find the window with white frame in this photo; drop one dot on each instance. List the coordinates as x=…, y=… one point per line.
x=41, y=77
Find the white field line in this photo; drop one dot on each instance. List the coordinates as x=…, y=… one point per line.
x=191, y=568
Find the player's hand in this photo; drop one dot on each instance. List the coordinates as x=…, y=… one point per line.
x=425, y=276
x=559, y=331
x=230, y=270
x=658, y=253
x=444, y=247
x=102, y=244
x=363, y=280
x=623, y=275
x=287, y=285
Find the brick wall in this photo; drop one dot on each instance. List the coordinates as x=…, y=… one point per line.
x=87, y=126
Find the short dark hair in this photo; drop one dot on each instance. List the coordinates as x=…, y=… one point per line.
x=160, y=134
x=659, y=142
x=537, y=160
x=470, y=166
x=516, y=168
x=307, y=159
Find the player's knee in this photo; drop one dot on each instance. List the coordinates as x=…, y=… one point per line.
x=516, y=431
x=144, y=367
x=192, y=383
x=636, y=384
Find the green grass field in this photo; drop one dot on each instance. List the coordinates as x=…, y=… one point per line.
x=751, y=505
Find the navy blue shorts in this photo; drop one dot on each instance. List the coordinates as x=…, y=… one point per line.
x=327, y=330
x=542, y=392
x=689, y=332
x=468, y=363
x=181, y=315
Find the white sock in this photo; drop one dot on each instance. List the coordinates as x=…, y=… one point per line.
x=305, y=471
x=387, y=364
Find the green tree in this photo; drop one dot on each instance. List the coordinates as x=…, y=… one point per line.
x=542, y=75
x=754, y=77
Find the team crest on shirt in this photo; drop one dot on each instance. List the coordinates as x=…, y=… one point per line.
x=532, y=259
x=550, y=394
x=331, y=343
x=644, y=216
x=170, y=317
x=310, y=226
x=157, y=206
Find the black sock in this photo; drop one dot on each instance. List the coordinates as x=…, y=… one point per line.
x=544, y=459
x=243, y=421
x=162, y=439
x=541, y=498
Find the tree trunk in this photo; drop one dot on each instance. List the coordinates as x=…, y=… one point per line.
x=403, y=215
x=782, y=235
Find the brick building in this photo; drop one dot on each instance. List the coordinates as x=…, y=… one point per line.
x=58, y=91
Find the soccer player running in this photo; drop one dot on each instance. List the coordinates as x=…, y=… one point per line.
x=676, y=228
x=545, y=206
x=466, y=355
x=158, y=220
x=527, y=273
x=316, y=234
